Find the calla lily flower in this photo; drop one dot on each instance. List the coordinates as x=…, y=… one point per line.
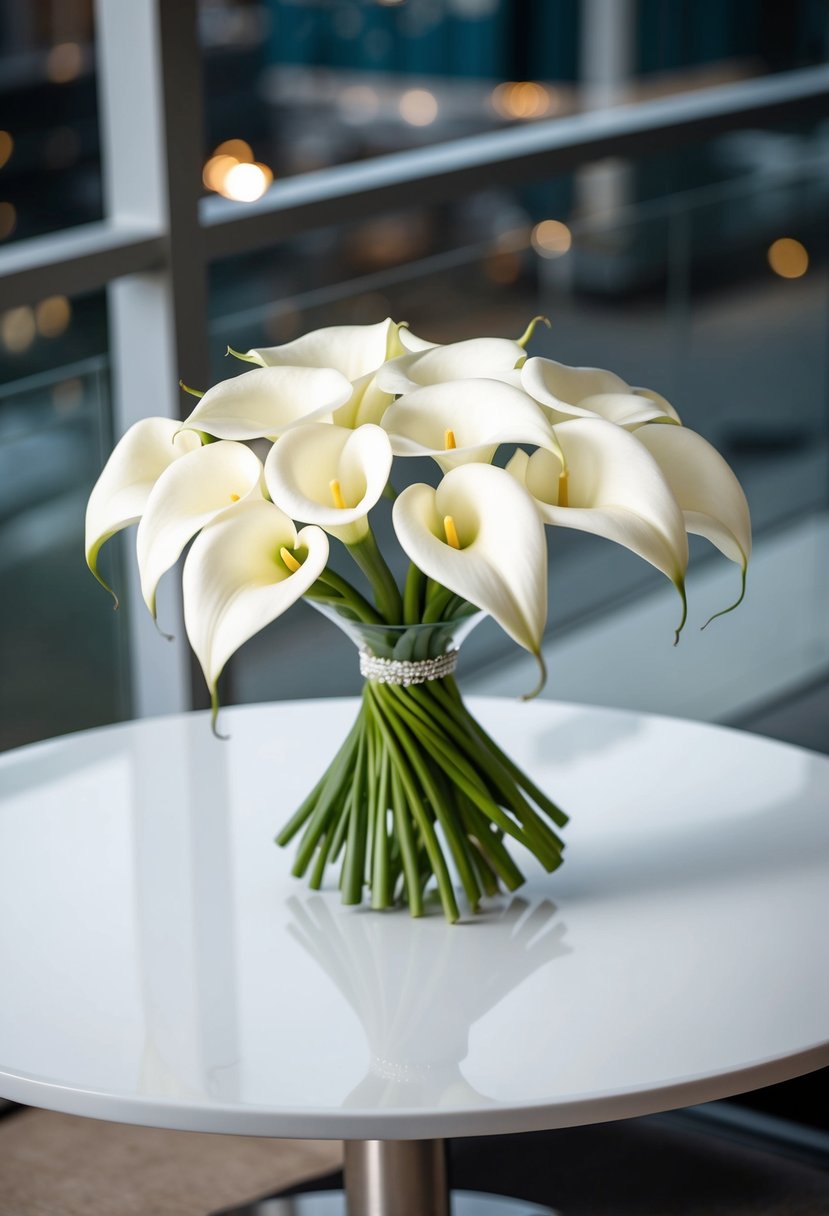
x=589, y=392
x=120, y=494
x=711, y=498
x=267, y=401
x=411, y=343
x=481, y=358
x=243, y=571
x=464, y=421
x=189, y=494
x=608, y=489
x=330, y=476
x=356, y=351
x=353, y=350
x=479, y=534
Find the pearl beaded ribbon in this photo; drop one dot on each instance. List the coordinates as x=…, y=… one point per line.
x=406, y=671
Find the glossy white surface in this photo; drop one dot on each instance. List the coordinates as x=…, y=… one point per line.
x=159, y=965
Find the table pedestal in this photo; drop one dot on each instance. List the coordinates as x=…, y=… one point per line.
x=395, y=1178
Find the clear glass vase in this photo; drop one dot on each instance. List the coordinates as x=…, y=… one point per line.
x=419, y=795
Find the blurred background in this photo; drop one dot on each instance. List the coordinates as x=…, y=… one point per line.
x=698, y=270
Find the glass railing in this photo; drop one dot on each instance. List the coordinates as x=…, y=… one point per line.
x=64, y=661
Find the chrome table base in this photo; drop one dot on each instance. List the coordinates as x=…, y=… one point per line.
x=396, y=1178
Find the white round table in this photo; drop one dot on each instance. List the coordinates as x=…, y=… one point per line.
x=160, y=965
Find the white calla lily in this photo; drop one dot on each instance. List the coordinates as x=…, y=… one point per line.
x=120, y=494
x=711, y=498
x=480, y=358
x=609, y=490
x=267, y=401
x=356, y=351
x=465, y=421
x=590, y=392
x=480, y=535
x=330, y=476
x=367, y=403
x=189, y=494
x=411, y=343
x=243, y=571
x=353, y=350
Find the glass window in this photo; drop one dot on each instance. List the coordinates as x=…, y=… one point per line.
x=64, y=650
x=298, y=85
x=50, y=174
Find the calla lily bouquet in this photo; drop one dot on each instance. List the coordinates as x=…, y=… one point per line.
x=418, y=792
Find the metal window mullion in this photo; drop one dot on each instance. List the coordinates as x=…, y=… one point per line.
x=150, y=99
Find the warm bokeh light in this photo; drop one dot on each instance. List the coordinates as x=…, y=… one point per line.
x=18, y=329
x=551, y=238
x=788, y=258
x=418, y=107
x=64, y=62
x=8, y=220
x=239, y=149
x=523, y=99
x=233, y=172
x=246, y=183
x=6, y=147
x=216, y=170
x=358, y=103
x=52, y=316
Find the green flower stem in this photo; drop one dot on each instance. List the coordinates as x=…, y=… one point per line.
x=417, y=809
x=368, y=557
x=490, y=844
x=329, y=581
x=501, y=781
x=413, y=595
x=355, y=853
x=335, y=780
x=464, y=776
x=457, y=844
x=449, y=693
x=405, y=836
x=436, y=604
x=381, y=885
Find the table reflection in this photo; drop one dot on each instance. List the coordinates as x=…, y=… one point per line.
x=412, y=992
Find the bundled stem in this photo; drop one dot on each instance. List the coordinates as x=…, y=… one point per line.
x=417, y=792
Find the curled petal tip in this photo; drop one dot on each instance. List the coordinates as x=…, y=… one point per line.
x=116, y=604
x=194, y=392
x=168, y=637
x=542, y=678
x=238, y=354
x=681, y=589
x=530, y=330
x=214, y=714
x=731, y=607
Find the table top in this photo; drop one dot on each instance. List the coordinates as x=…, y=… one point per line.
x=160, y=965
